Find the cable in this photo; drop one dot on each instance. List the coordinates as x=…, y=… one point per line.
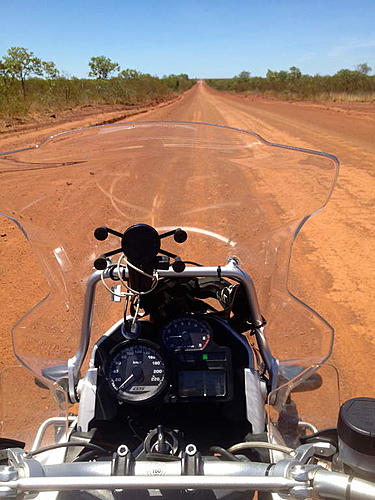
x=121, y=294
x=136, y=292
x=260, y=444
x=132, y=428
x=87, y=456
x=224, y=453
x=129, y=264
x=132, y=328
x=154, y=277
x=131, y=292
x=84, y=444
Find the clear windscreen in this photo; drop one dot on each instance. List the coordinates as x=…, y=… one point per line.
x=25, y=405
x=303, y=406
x=233, y=192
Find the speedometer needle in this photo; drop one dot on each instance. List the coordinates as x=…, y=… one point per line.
x=137, y=374
x=126, y=381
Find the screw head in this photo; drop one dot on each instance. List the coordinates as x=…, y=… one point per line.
x=122, y=450
x=191, y=449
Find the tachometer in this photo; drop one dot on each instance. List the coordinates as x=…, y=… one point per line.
x=186, y=334
x=137, y=371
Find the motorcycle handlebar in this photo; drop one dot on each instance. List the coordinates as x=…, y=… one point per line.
x=214, y=474
x=335, y=485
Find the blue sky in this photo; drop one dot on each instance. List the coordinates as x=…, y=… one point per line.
x=203, y=38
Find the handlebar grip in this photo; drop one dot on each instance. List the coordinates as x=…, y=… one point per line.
x=341, y=486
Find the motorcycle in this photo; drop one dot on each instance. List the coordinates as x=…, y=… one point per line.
x=166, y=355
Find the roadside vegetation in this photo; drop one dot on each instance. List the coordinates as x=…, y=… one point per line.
x=29, y=85
x=345, y=85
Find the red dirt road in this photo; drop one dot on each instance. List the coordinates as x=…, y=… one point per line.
x=332, y=267
x=333, y=264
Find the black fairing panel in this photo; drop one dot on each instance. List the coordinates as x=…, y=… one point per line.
x=201, y=422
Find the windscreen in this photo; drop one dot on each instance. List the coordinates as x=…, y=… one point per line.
x=25, y=405
x=234, y=193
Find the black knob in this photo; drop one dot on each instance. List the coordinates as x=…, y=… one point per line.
x=100, y=263
x=101, y=233
x=180, y=235
x=178, y=266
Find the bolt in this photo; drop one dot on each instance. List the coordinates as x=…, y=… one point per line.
x=122, y=450
x=191, y=449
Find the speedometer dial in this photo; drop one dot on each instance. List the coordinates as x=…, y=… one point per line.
x=186, y=334
x=137, y=371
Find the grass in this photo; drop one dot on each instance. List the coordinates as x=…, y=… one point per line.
x=49, y=96
x=345, y=86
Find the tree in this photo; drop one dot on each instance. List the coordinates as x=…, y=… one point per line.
x=5, y=80
x=348, y=80
x=21, y=63
x=277, y=75
x=271, y=75
x=295, y=72
x=363, y=68
x=4, y=72
x=244, y=74
x=50, y=70
x=129, y=74
x=101, y=67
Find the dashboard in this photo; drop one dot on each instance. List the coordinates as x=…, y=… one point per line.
x=186, y=372
x=196, y=359
x=179, y=361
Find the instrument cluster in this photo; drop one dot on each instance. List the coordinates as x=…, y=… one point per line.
x=186, y=334
x=179, y=361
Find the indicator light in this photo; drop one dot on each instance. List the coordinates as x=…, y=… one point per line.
x=205, y=357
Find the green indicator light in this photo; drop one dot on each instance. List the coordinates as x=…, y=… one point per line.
x=205, y=357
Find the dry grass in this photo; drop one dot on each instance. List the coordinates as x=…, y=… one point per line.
x=342, y=87
x=50, y=96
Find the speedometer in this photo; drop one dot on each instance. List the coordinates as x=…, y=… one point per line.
x=186, y=334
x=136, y=371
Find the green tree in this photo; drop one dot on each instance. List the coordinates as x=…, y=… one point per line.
x=282, y=75
x=363, y=68
x=21, y=63
x=5, y=80
x=244, y=74
x=349, y=80
x=4, y=72
x=101, y=67
x=271, y=75
x=295, y=72
x=50, y=70
x=129, y=74
x=277, y=75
